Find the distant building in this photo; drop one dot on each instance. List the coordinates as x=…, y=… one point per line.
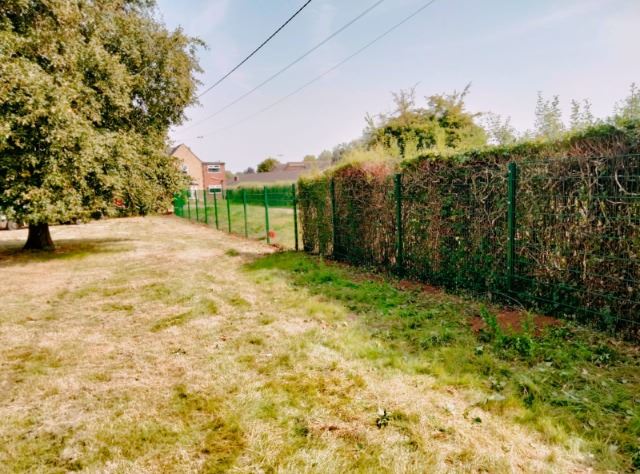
x=209, y=175
x=283, y=173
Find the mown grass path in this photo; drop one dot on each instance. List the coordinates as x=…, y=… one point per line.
x=156, y=345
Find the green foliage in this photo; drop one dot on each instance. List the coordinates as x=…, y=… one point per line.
x=268, y=165
x=521, y=344
x=89, y=91
x=629, y=109
x=499, y=130
x=581, y=116
x=555, y=382
x=576, y=248
x=444, y=124
x=548, y=124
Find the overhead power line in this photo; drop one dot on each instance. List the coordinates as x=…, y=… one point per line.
x=219, y=81
x=286, y=68
x=328, y=71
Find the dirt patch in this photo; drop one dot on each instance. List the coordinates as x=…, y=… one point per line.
x=409, y=285
x=513, y=321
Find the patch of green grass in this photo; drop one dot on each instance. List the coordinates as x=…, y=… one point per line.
x=238, y=301
x=170, y=321
x=569, y=381
x=202, y=308
x=39, y=451
x=232, y=252
x=33, y=360
x=223, y=439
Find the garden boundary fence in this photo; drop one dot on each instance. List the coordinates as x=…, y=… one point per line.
x=268, y=213
x=557, y=235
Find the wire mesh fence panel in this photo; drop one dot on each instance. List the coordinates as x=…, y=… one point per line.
x=364, y=224
x=454, y=225
x=315, y=216
x=558, y=235
x=578, y=238
x=268, y=214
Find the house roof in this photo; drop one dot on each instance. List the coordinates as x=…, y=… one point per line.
x=182, y=145
x=282, y=174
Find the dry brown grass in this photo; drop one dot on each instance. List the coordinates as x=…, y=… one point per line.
x=143, y=346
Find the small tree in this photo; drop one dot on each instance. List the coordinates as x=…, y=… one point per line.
x=89, y=90
x=628, y=109
x=268, y=165
x=548, y=124
x=581, y=115
x=499, y=130
x=249, y=170
x=309, y=159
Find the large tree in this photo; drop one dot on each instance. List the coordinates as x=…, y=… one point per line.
x=89, y=89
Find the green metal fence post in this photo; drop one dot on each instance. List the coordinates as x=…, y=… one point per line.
x=244, y=206
x=295, y=215
x=228, y=210
x=266, y=214
x=189, y=205
x=399, y=228
x=511, y=224
x=204, y=197
x=334, y=217
x=197, y=213
x=215, y=209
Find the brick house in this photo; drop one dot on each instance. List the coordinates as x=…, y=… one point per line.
x=209, y=175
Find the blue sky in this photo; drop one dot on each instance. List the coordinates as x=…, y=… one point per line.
x=508, y=49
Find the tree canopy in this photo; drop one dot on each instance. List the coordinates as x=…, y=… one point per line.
x=268, y=165
x=443, y=124
x=90, y=89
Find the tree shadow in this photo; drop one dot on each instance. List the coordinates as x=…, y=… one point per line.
x=12, y=253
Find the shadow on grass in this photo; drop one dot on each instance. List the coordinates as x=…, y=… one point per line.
x=11, y=252
x=568, y=381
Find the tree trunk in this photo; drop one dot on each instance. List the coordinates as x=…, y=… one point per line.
x=39, y=238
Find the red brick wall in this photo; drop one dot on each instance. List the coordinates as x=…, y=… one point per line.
x=215, y=178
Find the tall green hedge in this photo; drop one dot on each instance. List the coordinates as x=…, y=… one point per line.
x=577, y=220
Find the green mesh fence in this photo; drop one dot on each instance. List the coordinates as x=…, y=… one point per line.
x=268, y=214
x=577, y=244
x=558, y=235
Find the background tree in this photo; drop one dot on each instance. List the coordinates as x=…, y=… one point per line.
x=629, y=109
x=89, y=90
x=309, y=159
x=249, y=170
x=499, y=130
x=443, y=124
x=326, y=155
x=548, y=123
x=581, y=115
x=268, y=165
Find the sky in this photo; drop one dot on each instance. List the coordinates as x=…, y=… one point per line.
x=507, y=49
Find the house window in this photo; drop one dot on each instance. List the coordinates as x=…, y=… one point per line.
x=213, y=168
x=215, y=188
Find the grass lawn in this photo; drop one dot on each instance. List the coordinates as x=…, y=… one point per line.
x=156, y=345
